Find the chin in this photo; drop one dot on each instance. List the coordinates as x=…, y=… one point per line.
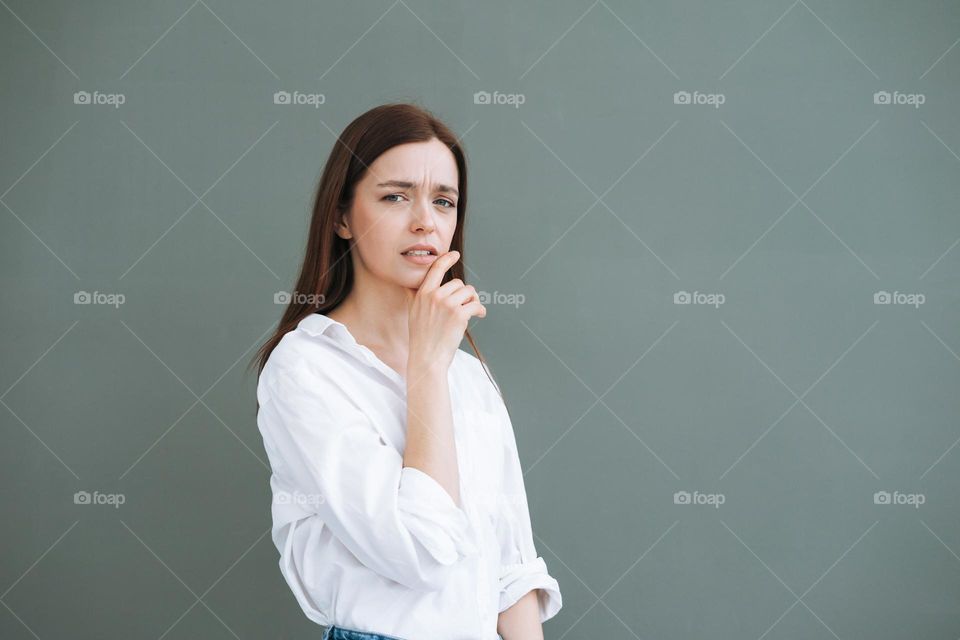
x=407, y=281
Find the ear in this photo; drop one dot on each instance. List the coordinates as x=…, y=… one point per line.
x=341, y=227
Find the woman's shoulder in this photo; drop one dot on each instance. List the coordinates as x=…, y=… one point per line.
x=300, y=354
x=468, y=363
x=475, y=376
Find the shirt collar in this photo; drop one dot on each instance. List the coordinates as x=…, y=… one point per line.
x=317, y=324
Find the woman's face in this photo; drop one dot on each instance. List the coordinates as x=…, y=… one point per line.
x=407, y=196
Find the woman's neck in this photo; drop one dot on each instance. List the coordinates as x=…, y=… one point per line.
x=378, y=320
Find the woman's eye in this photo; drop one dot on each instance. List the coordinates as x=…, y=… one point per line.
x=447, y=203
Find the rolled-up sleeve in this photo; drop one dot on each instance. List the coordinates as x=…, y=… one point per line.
x=521, y=569
x=398, y=521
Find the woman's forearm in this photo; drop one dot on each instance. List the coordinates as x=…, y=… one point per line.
x=522, y=620
x=431, y=447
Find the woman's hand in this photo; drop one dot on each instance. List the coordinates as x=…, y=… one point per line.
x=438, y=317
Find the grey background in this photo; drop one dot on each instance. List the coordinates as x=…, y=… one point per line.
x=597, y=200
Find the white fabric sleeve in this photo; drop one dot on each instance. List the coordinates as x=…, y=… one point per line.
x=521, y=570
x=396, y=520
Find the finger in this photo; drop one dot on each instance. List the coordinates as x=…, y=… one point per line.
x=463, y=295
x=475, y=309
x=449, y=287
x=439, y=267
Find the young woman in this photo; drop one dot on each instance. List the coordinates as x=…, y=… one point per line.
x=399, y=508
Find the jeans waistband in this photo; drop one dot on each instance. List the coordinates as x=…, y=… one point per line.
x=334, y=632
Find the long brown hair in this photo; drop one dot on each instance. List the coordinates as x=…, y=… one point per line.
x=326, y=274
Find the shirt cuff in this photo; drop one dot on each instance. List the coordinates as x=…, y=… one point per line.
x=433, y=518
x=516, y=580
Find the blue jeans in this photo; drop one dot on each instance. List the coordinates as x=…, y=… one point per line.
x=339, y=633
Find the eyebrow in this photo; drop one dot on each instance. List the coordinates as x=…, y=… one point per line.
x=403, y=184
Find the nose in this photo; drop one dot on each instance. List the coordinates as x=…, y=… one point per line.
x=422, y=216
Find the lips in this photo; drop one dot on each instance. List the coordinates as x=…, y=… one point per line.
x=419, y=259
x=421, y=247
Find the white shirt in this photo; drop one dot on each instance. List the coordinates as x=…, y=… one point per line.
x=368, y=544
